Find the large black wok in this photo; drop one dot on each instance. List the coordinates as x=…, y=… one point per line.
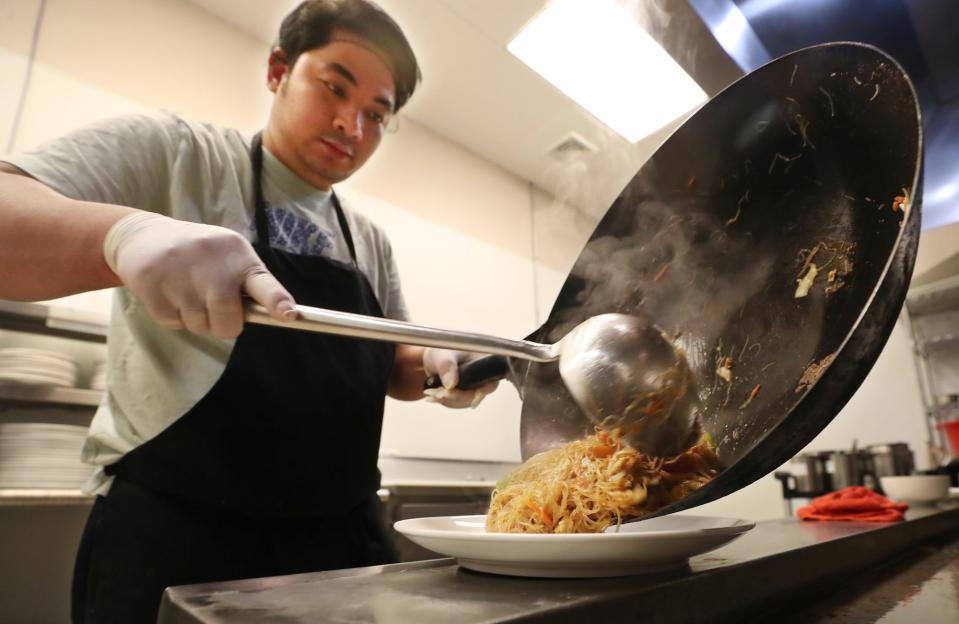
x=798, y=163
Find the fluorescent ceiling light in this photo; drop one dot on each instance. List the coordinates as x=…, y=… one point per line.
x=598, y=55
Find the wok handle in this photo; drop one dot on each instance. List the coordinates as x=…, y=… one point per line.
x=475, y=373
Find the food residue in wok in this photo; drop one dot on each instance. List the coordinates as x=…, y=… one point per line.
x=832, y=108
x=804, y=131
x=838, y=266
x=725, y=369
x=901, y=201
x=806, y=281
x=752, y=395
x=786, y=159
x=739, y=209
x=813, y=372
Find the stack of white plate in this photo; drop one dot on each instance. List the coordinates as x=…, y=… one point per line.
x=37, y=367
x=99, y=379
x=42, y=456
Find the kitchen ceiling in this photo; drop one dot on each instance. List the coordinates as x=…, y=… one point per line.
x=478, y=95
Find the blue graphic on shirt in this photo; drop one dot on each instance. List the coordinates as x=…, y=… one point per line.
x=293, y=233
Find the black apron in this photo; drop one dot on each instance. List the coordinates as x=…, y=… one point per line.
x=286, y=440
x=292, y=427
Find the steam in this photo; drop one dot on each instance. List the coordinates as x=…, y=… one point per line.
x=590, y=182
x=657, y=19
x=675, y=265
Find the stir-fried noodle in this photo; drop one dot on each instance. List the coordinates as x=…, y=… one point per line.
x=591, y=484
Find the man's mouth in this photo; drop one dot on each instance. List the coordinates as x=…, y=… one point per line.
x=339, y=149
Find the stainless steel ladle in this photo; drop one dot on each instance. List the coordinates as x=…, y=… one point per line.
x=620, y=370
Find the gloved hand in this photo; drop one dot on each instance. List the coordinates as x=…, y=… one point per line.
x=191, y=275
x=446, y=363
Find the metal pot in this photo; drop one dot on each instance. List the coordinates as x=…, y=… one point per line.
x=890, y=459
x=816, y=478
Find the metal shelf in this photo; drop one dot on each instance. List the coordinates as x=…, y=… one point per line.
x=939, y=343
x=80, y=397
x=49, y=320
x=10, y=497
x=933, y=298
x=932, y=304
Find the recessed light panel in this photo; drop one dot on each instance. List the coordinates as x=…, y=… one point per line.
x=598, y=55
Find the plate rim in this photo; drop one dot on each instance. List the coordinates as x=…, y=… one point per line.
x=741, y=525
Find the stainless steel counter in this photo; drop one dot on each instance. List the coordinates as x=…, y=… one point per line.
x=922, y=586
x=425, y=472
x=766, y=573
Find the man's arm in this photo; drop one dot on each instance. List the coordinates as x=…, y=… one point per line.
x=51, y=245
x=408, y=377
x=412, y=365
x=189, y=275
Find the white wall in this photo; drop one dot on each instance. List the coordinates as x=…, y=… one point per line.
x=16, y=33
x=936, y=245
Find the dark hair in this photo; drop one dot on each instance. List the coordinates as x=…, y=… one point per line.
x=312, y=23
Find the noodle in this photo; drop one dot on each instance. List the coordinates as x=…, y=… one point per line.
x=593, y=483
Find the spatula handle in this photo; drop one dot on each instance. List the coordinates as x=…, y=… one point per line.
x=376, y=328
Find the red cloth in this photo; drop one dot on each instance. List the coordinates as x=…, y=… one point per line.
x=853, y=504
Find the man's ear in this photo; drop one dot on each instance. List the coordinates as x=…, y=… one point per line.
x=277, y=68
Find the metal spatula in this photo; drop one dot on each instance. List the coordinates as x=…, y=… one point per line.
x=620, y=370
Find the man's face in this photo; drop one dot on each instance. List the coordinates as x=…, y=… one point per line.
x=330, y=109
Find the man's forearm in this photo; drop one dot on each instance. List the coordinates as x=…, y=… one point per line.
x=50, y=245
x=406, y=382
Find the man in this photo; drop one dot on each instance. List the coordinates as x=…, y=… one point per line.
x=228, y=451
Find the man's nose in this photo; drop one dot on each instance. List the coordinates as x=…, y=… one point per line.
x=349, y=121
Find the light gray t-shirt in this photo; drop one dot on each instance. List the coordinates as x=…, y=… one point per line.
x=202, y=173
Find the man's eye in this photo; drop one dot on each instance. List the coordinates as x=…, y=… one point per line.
x=376, y=117
x=334, y=88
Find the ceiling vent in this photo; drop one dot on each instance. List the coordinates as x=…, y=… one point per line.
x=571, y=146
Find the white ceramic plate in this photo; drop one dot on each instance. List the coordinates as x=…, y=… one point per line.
x=51, y=365
x=27, y=428
x=639, y=547
x=40, y=371
x=30, y=352
x=27, y=379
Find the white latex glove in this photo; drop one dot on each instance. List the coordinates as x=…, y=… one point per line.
x=191, y=275
x=446, y=363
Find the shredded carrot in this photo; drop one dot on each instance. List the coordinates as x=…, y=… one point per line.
x=542, y=512
x=662, y=273
x=691, y=183
x=752, y=395
x=655, y=406
x=603, y=450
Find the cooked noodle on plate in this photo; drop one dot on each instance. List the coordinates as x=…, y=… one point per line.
x=593, y=483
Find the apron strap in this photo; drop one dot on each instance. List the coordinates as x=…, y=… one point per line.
x=259, y=204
